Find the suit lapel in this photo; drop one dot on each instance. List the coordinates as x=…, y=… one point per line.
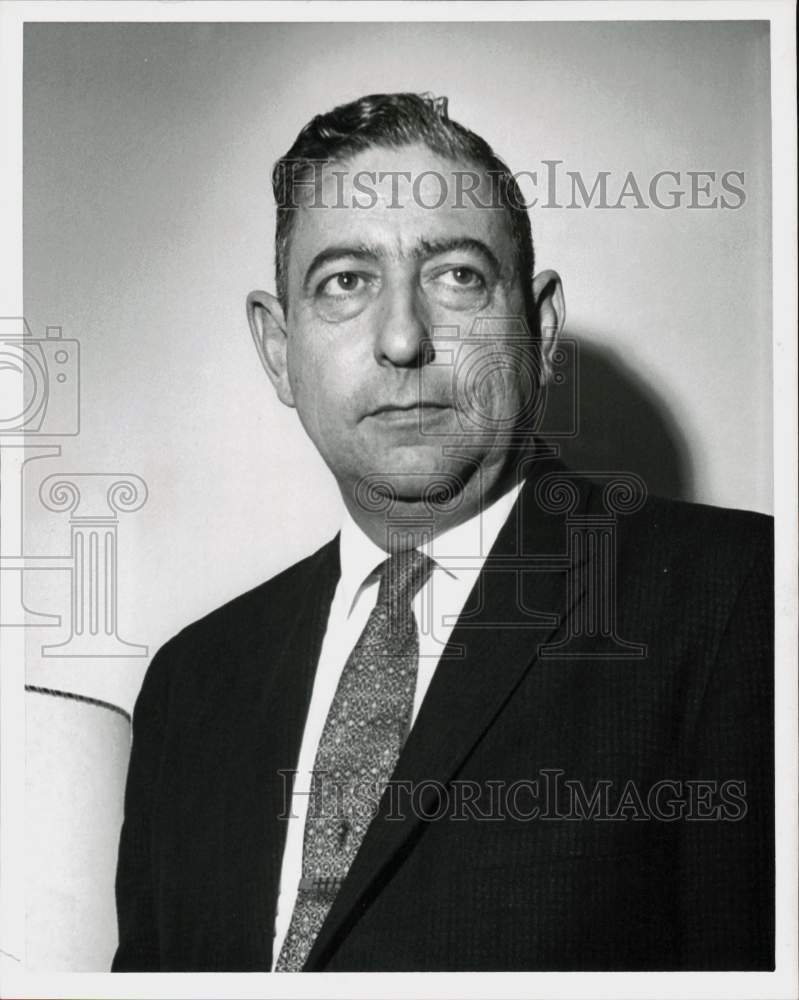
x=467, y=691
x=285, y=706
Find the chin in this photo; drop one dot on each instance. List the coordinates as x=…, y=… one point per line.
x=413, y=474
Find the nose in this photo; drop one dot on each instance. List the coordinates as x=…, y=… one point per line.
x=403, y=335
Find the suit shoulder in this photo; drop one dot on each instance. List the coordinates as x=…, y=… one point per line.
x=715, y=525
x=718, y=540
x=201, y=661
x=265, y=604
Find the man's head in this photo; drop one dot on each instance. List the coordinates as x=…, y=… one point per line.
x=390, y=121
x=404, y=267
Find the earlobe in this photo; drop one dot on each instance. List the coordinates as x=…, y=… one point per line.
x=268, y=327
x=551, y=310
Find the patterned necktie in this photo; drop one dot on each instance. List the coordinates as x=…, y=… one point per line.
x=366, y=726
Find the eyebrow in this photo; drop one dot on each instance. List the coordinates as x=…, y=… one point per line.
x=356, y=251
x=421, y=250
x=434, y=248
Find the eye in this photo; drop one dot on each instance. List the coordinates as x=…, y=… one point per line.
x=457, y=286
x=341, y=284
x=462, y=277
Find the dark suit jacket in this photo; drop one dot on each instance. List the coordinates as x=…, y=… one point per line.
x=221, y=713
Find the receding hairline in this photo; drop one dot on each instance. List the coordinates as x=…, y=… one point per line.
x=458, y=164
x=346, y=158
x=394, y=121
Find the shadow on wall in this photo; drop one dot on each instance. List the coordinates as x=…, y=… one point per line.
x=624, y=424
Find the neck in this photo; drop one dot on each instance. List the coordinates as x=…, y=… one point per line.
x=400, y=522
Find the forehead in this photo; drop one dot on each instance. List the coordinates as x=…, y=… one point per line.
x=397, y=199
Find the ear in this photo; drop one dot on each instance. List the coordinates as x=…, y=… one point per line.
x=268, y=328
x=550, y=307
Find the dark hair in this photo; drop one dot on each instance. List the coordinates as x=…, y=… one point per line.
x=391, y=121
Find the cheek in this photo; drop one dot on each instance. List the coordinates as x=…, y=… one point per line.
x=296, y=367
x=321, y=381
x=496, y=385
x=305, y=355
x=303, y=370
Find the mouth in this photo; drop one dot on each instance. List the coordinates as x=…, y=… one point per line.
x=414, y=407
x=409, y=413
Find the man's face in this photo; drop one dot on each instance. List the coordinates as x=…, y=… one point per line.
x=384, y=363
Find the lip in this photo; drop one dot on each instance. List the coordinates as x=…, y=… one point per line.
x=407, y=407
x=398, y=413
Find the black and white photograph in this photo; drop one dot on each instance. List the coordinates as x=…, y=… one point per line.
x=398, y=489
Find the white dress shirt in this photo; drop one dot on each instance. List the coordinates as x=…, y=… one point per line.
x=459, y=554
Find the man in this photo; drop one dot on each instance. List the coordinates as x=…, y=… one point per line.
x=510, y=718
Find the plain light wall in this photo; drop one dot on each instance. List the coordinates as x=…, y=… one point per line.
x=149, y=216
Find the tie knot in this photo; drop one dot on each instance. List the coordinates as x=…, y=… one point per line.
x=402, y=575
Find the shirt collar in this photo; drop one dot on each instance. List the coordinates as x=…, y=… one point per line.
x=359, y=556
x=467, y=545
x=459, y=549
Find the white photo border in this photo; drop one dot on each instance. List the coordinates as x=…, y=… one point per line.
x=781, y=984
